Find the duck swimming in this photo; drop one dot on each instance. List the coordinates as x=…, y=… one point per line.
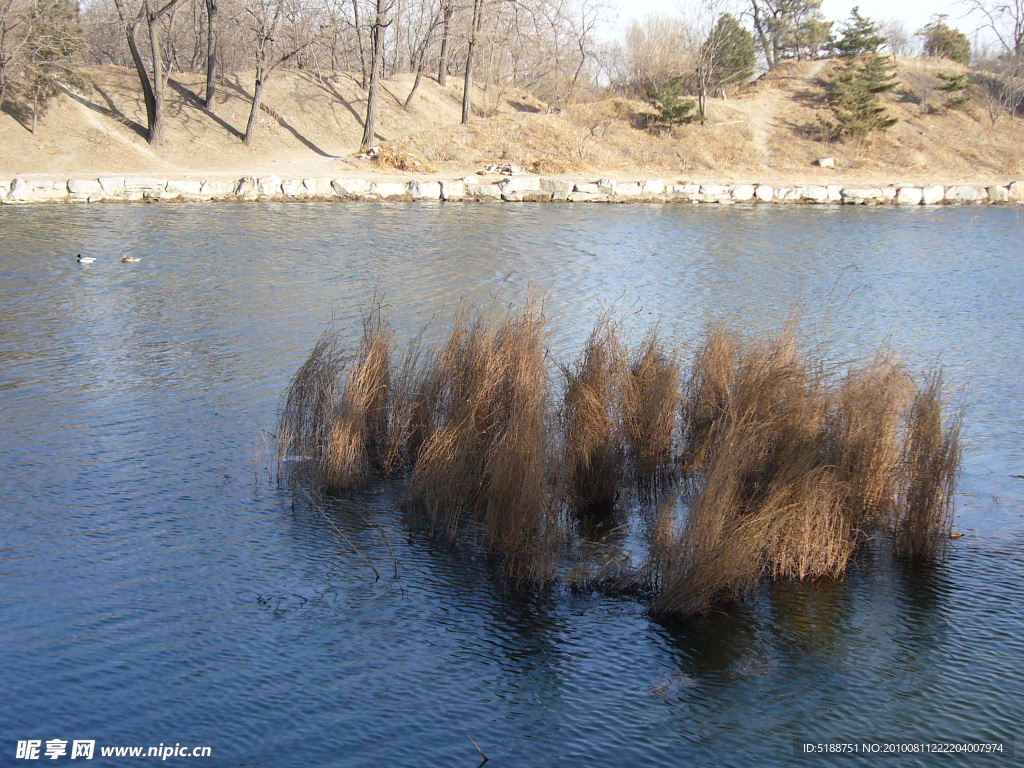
x=85, y=259
x=125, y=258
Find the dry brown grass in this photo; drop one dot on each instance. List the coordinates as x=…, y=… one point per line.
x=401, y=158
x=650, y=402
x=307, y=414
x=594, y=451
x=790, y=465
x=794, y=469
x=486, y=446
x=931, y=465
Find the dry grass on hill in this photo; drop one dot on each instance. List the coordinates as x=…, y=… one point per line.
x=312, y=127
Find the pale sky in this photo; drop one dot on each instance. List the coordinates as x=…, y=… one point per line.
x=913, y=13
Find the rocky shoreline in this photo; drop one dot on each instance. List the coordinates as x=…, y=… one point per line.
x=512, y=189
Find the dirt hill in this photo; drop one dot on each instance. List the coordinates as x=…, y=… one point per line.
x=312, y=127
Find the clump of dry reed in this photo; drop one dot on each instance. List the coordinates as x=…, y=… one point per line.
x=931, y=465
x=650, y=402
x=593, y=446
x=793, y=469
x=789, y=466
x=307, y=415
x=484, y=425
x=706, y=392
x=337, y=432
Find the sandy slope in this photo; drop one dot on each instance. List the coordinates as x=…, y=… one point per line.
x=312, y=126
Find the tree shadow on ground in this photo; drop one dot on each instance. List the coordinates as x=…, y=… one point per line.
x=193, y=99
x=110, y=111
x=280, y=119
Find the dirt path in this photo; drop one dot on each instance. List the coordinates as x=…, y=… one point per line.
x=761, y=110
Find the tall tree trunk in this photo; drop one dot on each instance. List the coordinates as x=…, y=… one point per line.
x=442, y=61
x=257, y=98
x=359, y=37
x=376, y=62
x=421, y=60
x=211, y=52
x=467, y=83
x=152, y=87
x=762, y=35
x=156, y=127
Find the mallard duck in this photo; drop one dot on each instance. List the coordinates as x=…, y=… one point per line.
x=85, y=259
x=128, y=259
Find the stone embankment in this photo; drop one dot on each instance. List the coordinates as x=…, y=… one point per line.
x=473, y=188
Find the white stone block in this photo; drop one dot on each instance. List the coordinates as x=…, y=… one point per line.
x=84, y=187
x=862, y=195
x=687, y=192
x=246, y=188
x=293, y=188
x=424, y=190
x=218, y=189
x=144, y=184
x=932, y=195
x=962, y=194
x=318, y=188
x=653, y=187
x=814, y=193
x=484, y=191
x=353, y=189
x=453, y=190
x=268, y=186
x=909, y=196
x=742, y=193
x=559, y=189
x=628, y=190
x=186, y=188
x=111, y=185
x=997, y=194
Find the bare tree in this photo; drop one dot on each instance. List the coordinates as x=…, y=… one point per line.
x=279, y=33
x=475, y=28
x=655, y=50
x=14, y=33
x=1000, y=78
x=380, y=26
x=448, y=9
x=1003, y=18
x=898, y=40
x=433, y=15
x=154, y=82
x=211, y=52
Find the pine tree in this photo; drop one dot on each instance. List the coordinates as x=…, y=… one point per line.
x=730, y=48
x=855, y=96
x=860, y=36
x=54, y=47
x=955, y=88
x=944, y=42
x=668, y=100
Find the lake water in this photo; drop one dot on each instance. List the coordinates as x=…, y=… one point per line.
x=156, y=588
